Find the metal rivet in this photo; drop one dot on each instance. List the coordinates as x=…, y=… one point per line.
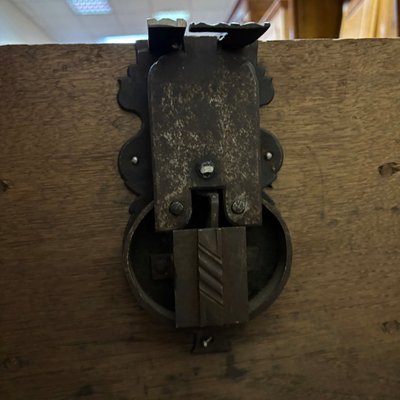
x=207, y=341
x=176, y=208
x=238, y=206
x=135, y=160
x=268, y=155
x=206, y=169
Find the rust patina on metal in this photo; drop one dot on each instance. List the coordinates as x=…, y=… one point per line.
x=205, y=246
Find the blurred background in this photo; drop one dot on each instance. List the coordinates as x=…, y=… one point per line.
x=124, y=21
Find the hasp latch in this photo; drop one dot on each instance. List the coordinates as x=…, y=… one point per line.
x=205, y=245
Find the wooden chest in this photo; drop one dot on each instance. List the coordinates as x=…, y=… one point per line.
x=70, y=327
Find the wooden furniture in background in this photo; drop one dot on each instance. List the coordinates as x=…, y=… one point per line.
x=240, y=12
x=354, y=13
x=317, y=18
x=249, y=10
x=281, y=16
x=71, y=329
x=292, y=19
x=387, y=21
x=370, y=18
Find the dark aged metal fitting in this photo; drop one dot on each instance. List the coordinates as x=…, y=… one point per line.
x=222, y=253
x=238, y=206
x=176, y=208
x=268, y=155
x=206, y=169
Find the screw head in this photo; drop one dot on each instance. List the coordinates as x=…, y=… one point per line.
x=238, y=206
x=206, y=169
x=268, y=155
x=176, y=208
x=207, y=341
x=135, y=160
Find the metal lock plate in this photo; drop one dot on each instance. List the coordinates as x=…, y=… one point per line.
x=202, y=107
x=204, y=246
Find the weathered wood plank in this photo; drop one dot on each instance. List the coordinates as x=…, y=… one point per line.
x=70, y=327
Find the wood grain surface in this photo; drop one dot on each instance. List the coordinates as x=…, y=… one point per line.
x=70, y=327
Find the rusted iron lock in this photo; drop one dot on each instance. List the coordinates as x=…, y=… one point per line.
x=205, y=246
